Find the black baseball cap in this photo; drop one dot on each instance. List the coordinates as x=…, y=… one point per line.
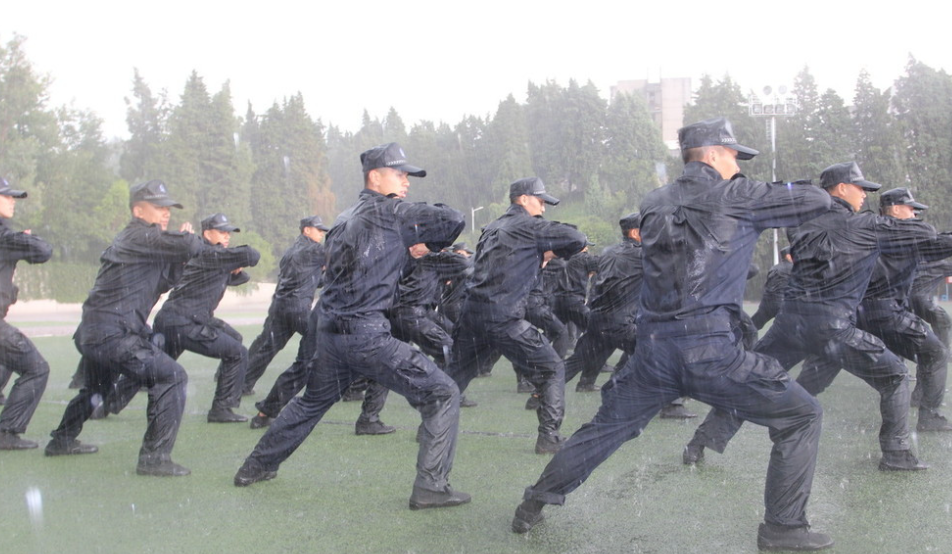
x=7, y=190
x=713, y=132
x=219, y=222
x=314, y=221
x=533, y=186
x=630, y=221
x=846, y=172
x=389, y=155
x=900, y=197
x=153, y=192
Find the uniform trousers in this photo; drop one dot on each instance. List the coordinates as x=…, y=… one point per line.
x=928, y=309
x=671, y=361
x=112, y=352
x=19, y=355
x=908, y=336
x=286, y=316
x=836, y=343
x=605, y=334
x=348, y=350
x=213, y=338
x=475, y=346
x=294, y=379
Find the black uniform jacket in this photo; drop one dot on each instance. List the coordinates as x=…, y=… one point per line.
x=367, y=250
x=699, y=233
x=134, y=270
x=205, y=279
x=617, y=287
x=300, y=270
x=422, y=286
x=509, y=260
x=893, y=274
x=574, y=278
x=14, y=247
x=928, y=276
x=834, y=256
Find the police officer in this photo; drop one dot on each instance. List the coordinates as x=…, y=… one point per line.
x=115, y=338
x=922, y=297
x=833, y=259
x=17, y=353
x=776, y=283
x=509, y=257
x=539, y=308
x=568, y=302
x=413, y=316
x=187, y=319
x=698, y=237
x=453, y=290
x=366, y=250
x=614, y=303
x=884, y=312
x=922, y=302
x=299, y=275
x=615, y=296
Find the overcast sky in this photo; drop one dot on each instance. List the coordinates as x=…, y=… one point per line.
x=440, y=60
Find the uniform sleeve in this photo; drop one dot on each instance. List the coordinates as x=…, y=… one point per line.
x=437, y=226
x=161, y=245
x=22, y=246
x=784, y=204
x=228, y=259
x=565, y=240
x=239, y=278
x=450, y=265
x=912, y=237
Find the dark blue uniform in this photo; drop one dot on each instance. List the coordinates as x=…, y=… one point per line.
x=572, y=288
x=17, y=353
x=366, y=252
x=299, y=276
x=772, y=298
x=114, y=338
x=507, y=265
x=613, y=305
x=834, y=257
x=698, y=237
x=922, y=297
x=187, y=319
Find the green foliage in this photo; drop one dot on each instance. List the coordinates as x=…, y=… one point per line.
x=633, y=151
x=267, y=268
x=923, y=104
x=291, y=179
x=268, y=170
x=64, y=282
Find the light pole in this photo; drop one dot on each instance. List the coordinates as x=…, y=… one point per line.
x=780, y=104
x=472, y=217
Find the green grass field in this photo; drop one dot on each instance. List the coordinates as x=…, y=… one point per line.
x=343, y=493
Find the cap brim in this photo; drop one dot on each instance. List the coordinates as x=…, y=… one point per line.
x=918, y=206
x=548, y=199
x=743, y=152
x=324, y=228
x=165, y=203
x=867, y=185
x=14, y=193
x=411, y=170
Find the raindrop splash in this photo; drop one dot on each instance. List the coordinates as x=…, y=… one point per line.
x=34, y=505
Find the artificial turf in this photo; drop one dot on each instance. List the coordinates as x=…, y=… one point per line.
x=344, y=493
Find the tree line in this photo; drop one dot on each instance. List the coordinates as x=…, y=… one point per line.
x=268, y=168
